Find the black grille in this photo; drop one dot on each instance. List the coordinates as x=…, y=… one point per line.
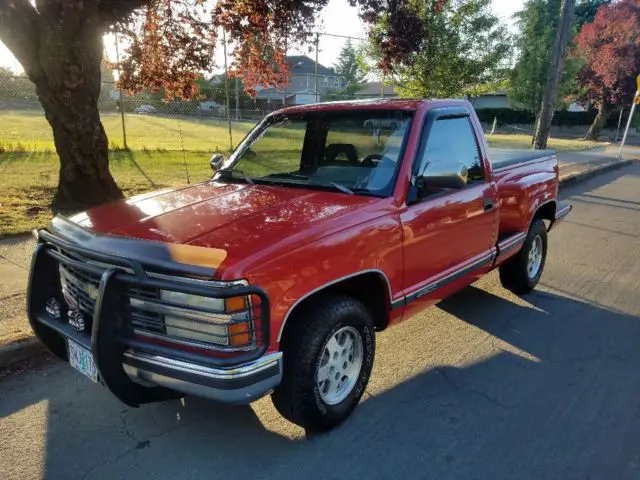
x=80, y=288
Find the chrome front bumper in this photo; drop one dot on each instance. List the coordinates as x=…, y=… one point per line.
x=238, y=385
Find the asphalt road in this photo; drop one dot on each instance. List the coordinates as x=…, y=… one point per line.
x=487, y=385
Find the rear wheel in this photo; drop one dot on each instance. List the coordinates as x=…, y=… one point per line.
x=328, y=357
x=522, y=272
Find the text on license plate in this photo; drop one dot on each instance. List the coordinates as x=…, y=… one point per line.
x=82, y=360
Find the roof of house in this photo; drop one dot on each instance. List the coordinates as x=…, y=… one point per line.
x=497, y=93
x=374, y=88
x=303, y=65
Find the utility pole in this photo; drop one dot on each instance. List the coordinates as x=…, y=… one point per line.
x=237, y=99
x=226, y=88
x=547, y=110
x=124, y=128
x=317, y=42
x=284, y=94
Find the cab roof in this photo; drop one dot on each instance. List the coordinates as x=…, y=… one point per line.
x=367, y=104
x=370, y=104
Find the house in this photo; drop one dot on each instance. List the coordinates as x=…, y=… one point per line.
x=301, y=89
x=497, y=99
x=500, y=99
x=376, y=90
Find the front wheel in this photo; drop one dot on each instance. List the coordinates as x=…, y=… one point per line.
x=328, y=357
x=522, y=272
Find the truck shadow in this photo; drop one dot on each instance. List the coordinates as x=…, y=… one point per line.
x=545, y=387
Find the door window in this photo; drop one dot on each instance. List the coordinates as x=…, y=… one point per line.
x=451, y=140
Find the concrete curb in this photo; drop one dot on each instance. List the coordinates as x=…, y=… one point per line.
x=28, y=347
x=19, y=350
x=571, y=178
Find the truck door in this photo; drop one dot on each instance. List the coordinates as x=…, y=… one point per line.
x=448, y=233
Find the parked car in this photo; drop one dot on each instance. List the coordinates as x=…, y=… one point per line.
x=277, y=274
x=146, y=109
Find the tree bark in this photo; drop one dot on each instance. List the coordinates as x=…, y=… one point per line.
x=60, y=47
x=598, y=124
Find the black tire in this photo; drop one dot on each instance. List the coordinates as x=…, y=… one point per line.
x=298, y=397
x=514, y=273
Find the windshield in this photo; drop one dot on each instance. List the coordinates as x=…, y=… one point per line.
x=354, y=152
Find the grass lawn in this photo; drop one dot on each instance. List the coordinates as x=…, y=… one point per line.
x=30, y=132
x=524, y=141
x=160, y=148
x=28, y=181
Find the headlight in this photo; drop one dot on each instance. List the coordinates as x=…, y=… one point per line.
x=184, y=299
x=208, y=320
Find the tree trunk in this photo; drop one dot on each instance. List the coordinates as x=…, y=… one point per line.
x=598, y=123
x=69, y=93
x=60, y=47
x=81, y=143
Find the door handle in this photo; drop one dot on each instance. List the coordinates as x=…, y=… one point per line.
x=488, y=204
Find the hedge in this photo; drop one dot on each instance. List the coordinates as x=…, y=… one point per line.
x=525, y=117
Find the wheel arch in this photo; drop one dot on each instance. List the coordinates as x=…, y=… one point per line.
x=371, y=287
x=545, y=211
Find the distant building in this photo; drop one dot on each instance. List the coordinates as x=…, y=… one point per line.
x=500, y=99
x=497, y=99
x=301, y=89
x=376, y=90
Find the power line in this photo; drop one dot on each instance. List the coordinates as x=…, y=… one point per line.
x=340, y=36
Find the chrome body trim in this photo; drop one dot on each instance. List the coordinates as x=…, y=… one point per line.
x=510, y=243
x=437, y=284
x=194, y=343
x=241, y=385
x=333, y=282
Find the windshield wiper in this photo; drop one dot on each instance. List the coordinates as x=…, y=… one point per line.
x=229, y=174
x=322, y=183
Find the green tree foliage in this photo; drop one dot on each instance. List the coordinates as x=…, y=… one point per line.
x=586, y=11
x=462, y=51
x=214, y=90
x=537, y=23
x=349, y=64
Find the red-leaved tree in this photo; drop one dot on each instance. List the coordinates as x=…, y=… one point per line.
x=610, y=47
x=59, y=44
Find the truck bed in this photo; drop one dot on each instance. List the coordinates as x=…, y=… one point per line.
x=507, y=157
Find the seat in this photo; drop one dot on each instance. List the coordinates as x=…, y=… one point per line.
x=335, y=149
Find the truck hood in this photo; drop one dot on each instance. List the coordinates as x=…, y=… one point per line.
x=237, y=218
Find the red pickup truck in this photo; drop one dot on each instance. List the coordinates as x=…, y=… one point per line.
x=327, y=224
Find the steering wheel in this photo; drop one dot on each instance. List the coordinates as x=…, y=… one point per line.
x=372, y=160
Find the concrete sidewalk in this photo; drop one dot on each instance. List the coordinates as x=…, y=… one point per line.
x=15, y=252
x=15, y=256
x=572, y=163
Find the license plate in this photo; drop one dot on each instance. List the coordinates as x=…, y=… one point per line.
x=82, y=360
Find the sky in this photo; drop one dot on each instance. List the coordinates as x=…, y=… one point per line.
x=339, y=19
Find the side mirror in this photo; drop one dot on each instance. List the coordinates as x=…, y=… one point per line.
x=452, y=175
x=216, y=161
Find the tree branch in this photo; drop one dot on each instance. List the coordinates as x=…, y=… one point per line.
x=18, y=31
x=114, y=11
